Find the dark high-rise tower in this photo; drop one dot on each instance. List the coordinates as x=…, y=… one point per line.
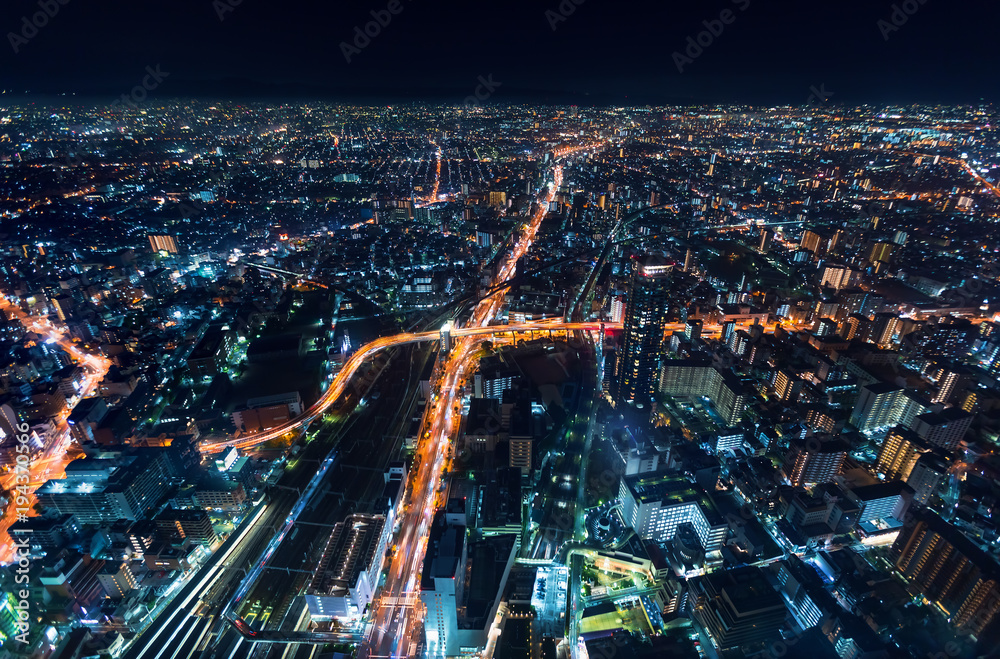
x=645, y=316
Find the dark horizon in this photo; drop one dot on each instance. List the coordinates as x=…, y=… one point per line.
x=590, y=53
x=302, y=96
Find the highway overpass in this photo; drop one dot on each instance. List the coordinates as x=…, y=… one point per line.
x=343, y=377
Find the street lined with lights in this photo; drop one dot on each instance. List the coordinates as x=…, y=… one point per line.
x=51, y=462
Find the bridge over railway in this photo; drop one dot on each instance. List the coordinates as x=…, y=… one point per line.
x=366, y=352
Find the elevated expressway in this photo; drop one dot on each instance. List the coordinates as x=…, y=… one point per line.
x=366, y=352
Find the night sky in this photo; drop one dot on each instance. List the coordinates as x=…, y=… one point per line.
x=604, y=51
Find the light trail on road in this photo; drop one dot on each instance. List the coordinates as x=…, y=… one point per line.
x=51, y=462
x=397, y=624
x=433, y=196
x=357, y=360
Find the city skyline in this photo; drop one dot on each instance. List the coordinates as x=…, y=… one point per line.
x=381, y=330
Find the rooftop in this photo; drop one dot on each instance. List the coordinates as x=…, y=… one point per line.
x=672, y=489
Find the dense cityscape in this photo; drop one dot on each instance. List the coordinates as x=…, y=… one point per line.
x=296, y=380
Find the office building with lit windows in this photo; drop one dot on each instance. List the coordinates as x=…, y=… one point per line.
x=106, y=490
x=952, y=381
x=877, y=406
x=10, y=621
x=786, y=386
x=461, y=586
x=654, y=505
x=929, y=476
x=63, y=306
x=180, y=525
x=805, y=592
x=815, y=242
x=836, y=276
x=884, y=328
x=212, y=352
x=442, y=584
x=117, y=580
x=645, y=317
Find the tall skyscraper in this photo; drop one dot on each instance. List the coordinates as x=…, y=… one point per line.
x=442, y=584
x=645, y=317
